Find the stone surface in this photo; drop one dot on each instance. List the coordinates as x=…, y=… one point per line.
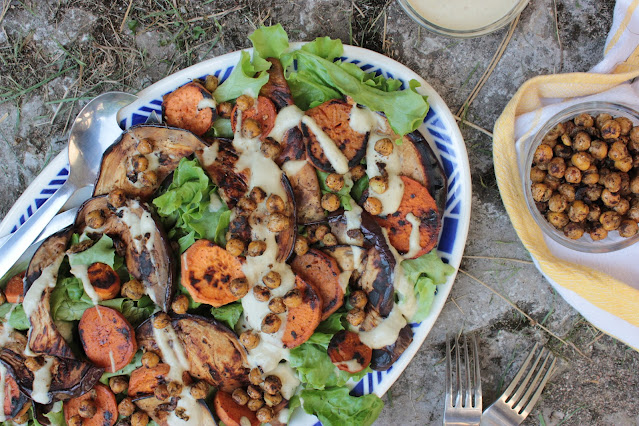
x=598, y=386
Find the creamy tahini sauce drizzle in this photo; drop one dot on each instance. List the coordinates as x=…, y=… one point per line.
x=142, y=227
x=414, y=243
x=172, y=351
x=287, y=118
x=81, y=272
x=206, y=103
x=289, y=379
x=192, y=407
x=337, y=159
x=209, y=153
x=42, y=382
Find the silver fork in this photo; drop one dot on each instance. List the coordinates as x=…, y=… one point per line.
x=464, y=406
x=511, y=408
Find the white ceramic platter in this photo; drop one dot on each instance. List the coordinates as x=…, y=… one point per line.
x=439, y=128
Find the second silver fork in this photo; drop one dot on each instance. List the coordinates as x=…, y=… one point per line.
x=464, y=403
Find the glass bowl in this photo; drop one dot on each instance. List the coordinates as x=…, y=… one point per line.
x=585, y=244
x=506, y=19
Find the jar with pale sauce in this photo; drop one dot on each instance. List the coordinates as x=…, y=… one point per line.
x=463, y=18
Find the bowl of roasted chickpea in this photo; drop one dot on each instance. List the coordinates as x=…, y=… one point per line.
x=581, y=177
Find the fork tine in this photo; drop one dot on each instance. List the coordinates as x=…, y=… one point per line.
x=541, y=387
x=478, y=401
x=514, y=399
x=505, y=396
x=449, y=376
x=458, y=393
x=522, y=403
x=469, y=396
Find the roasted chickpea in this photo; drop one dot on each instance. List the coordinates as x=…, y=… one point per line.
x=625, y=184
x=574, y=231
x=126, y=407
x=552, y=182
x=557, y=203
x=590, y=176
x=358, y=299
x=293, y=298
x=584, y=120
x=634, y=184
x=75, y=420
x=272, y=384
x=224, y=110
x=271, y=323
x=598, y=149
x=117, y=198
x=543, y=154
x=610, y=220
x=240, y=396
x=244, y=102
x=594, y=213
x=633, y=212
x=374, y=205
x=246, y=204
x=581, y=160
x=601, y=119
x=270, y=148
x=256, y=248
x=590, y=193
x=355, y=316
x=149, y=178
x=610, y=130
x=118, y=384
x=255, y=404
x=239, y=287
x=556, y=131
x=329, y=240
x=384, y=147
x=623, y=206
x=199, y=390
x=96, y=218
x=254, y=392
x=597, y=232
x=272, y=279
x=140, y=418
x=634, y=136
x=358, y=172
x=276, y=305
x=578, y=211
x=581, y=141
x=610, y=199
x=255, y=376
x=133, y=289
x=180, y=304
x=161, y=320
x=628, y=228
x=541, y=192
x=557, y=167
x=335, y=182
x=624, y=164
x=150, y=359
x=264, y=414
x=235, y=247
x=211, y=83
x=275, y=204
x=379, y=184
x=261, y=293
x=330, y=202
x=87, y=408
x=573, y=175
x=617, y=151
x=174, y=388
x=251, y=128
x=562, y=151
x=272, y=400
x=625, y=125
x=33, y=363
x=249, y=339
x=139, y=163
x=568, y=191
x=257, y=194
x=301, y=245
x=612, y=181
x=277, y=222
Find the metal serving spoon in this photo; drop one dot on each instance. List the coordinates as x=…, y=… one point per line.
x=93, y=131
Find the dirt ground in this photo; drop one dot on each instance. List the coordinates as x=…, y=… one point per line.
x=55, y=55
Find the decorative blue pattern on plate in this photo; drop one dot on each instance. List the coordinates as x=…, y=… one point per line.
x=440, y=130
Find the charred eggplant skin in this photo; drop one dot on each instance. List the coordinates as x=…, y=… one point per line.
x=384, y=358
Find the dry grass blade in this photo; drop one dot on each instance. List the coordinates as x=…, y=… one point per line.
x=126, y=15
x=474, y=126
x=509, y=259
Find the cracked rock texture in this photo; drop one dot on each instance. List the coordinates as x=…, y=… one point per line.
x=55, y=55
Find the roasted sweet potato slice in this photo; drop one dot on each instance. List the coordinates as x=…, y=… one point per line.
x=144, y=380
x=385, y=357
x=276, y=88
x=14, y=289
x=322, y=272
x=302, y=320
x=418, y=201
x=348, y=353
x=107, y=338
x=293, y=146
x=105, y=281
x=107, y=407
x=333, y=118
x=214, y=352
x=169, y=146
x=190, y=107
x=207, y=272
x=232, y=413
x=232, y=184
x=307, y=191
x=15, y=402
x=264, y=114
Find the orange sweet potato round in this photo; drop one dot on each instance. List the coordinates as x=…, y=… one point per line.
x=322, y=272
x=107, y=407
x=184, y=108
x=264, y=114
x=302, y=320
x=230, y=412
x=348, y=353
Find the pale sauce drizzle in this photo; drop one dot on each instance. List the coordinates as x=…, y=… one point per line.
x=287, y=118
x=414, y=243
x=42, y=382
x=337, y=159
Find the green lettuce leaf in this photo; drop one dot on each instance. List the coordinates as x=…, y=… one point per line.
x=222, y=128
x=325, y=47
x=344, y=193
x=269, y=42
x=308, y=92
x=135, y=311
x=102, y=251
x=18, y=319
x=228, y=314
x=124, y=371
x=243, y=79
x=185, y=207
x=334, y=406
x=56, y=415
x=359, y=187
x=68, y=299
x=326, y=329
x=426, y=273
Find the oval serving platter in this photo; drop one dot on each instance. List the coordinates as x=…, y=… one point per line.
x=439, y=129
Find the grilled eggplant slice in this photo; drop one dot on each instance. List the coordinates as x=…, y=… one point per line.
x=306, y=189
x=377, y=281
x=39, y=282
x=219, y=161
x=214, y=352
x=140, y=175
x=160, y=411
x=276, y=88
x=148, y=253
x=286, y=238
x=385, y=357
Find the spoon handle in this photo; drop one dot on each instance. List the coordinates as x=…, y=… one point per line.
x=20, y=240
